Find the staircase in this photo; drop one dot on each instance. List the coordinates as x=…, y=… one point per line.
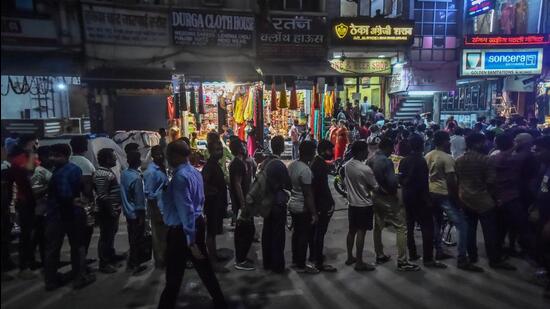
x=412, y=106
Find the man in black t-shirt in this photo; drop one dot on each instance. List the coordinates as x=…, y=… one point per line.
x=240, y=176
x=324, y=204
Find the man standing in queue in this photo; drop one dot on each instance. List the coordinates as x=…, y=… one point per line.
x=183, y=204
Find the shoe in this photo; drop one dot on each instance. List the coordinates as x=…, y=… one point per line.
x=470, y=267
x=351, y=261
x=83, y=281
x=362, y=266
x=443, y=256
x=382, y=259
x=220, y=269
x=246, y=265
x=27, y=274
x=415, y=257
x=136, y=270
x=107, y=269
x=435, y=264
x=502, y=265
x=308, y=269
x=327, y=268
x=407, y=266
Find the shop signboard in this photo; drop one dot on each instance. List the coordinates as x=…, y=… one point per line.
x=377, y=66
x=28, y=31
x=478, y=7
x=292, y=36
x=398, y=80
x=366, y=31
x=501, y=62
x=213, y=29
x=528, y=40
x=126, y=27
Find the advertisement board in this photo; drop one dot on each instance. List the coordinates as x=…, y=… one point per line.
x=122, y=26
x=362, y=66
x=213, y=29
x=293, y=36
x=501, y=62
x=516, y=40
x=478, y=7
x=366, y=31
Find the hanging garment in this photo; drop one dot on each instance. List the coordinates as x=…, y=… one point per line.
x=241, y=131
x=293, y=98
x=249, y=110
x=332, y=102
x=201, y=100
x=176, y=99
x=273, y=97
x=192, y=102
x=315, y=94
x=238, y=112
x=326, y=104
x=170, y=108
x=283, y=101
x=183, y=98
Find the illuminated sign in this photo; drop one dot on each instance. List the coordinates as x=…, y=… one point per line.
x=362, y=65
x=478, y=7
x=500, y=62
x=507, y=40
x=361, y=31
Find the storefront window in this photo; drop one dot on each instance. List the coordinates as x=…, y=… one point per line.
x=507, y=17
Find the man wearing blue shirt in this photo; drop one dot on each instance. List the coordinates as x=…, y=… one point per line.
x=133, y=205
x=182, y=208
x=155, y=181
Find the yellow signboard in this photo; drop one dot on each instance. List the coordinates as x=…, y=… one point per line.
x=362, y=66
x=371, y=31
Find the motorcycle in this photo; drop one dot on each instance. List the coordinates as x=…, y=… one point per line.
x=339, y=173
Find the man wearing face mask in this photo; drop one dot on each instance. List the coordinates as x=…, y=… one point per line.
x=324, y=203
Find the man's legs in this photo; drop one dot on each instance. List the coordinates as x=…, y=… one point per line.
x=425, y=220
x=75, y=228
x=350, y=241
x=133, y=239
x=319, y=232
x=244, y=235
x=471, y=221
x=108, y=227
x=396, y=217
x=437, y=214
x=158, y=229
x=456, y=216
x=360, y=243
x=300, y=236
x=267, y=241
x=38, y=240
x=278, y=226
x=411, y=219
x=379, y=222
x=26, y=222
x=176, y=257
x=54, y=240
x=488, y=222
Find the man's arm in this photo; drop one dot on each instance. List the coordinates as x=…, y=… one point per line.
x=452, y=185
x=184, y=208
x=139, y=194
x=308, y=201
x=87, y=182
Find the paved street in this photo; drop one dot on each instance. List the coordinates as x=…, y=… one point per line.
x=383, y=288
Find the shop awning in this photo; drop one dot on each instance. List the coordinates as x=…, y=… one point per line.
x=218, y=71
x=128, y=78
x=300, y=70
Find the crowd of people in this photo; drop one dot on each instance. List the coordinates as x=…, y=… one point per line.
x=399, y=174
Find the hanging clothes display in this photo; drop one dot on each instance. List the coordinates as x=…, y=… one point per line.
x=329, y=103
x=273, y=97
x=192, y=102
x=201, y=100
x=293, y=98
x=249, y=109
x=238, y=111
x=170, y=108
x=283, y=100
x=183, y=98
x=315, y=95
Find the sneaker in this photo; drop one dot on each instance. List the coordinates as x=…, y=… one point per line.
x=383, y=259
x=435, y=264
x=470, y=267
x=327, y=268
x=310, y=269
x=27, y=274
x=351, y=261
x=407, y=266
x=443, y=256
x=502, y=265
x=361, y=266
x=83, y=281
x=415, y=257
x=246, y=265
x=107, y=269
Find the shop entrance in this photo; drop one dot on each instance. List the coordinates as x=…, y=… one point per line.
x=356, y=88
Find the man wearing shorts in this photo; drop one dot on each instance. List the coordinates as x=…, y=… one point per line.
x=359, y=181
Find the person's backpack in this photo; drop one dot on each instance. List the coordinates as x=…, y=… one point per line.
x=261, y=198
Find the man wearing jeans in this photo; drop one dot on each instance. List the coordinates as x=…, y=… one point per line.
x=475, y=178
x=388, y=208
x=302, y=208
x=444, y=193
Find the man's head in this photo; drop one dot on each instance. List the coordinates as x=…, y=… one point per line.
x=131, y=147
x=177, y=153
x=28, y=142
x=106, y=158
x=278, y=145
x=307, y=151
x=475, y=142
x=342, y=123
x=134, y=159
x=542, y=149
x=360, y=150
x=442, y=141
x=43, y=153
x=212, y=137
x=162, y=132
x=59, y=154
x=236, y=147
x=386, y=146
x=325, y=149
x=79, y=144
x=296, y=122
x=416, y=143
x=523, y=141
x=157, y=154
x=215, y=149
x=504, y=142
x=365, y=99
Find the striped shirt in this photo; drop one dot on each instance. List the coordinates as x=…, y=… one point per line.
x=107, y=190
x=475, y=175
